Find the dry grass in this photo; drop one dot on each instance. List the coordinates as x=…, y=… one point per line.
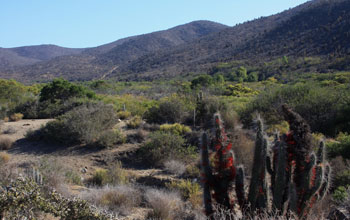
x=165, y=205
x=4, y=157
x=5, y=143
x=175, y=167
x=121, y=199
x=16, y=117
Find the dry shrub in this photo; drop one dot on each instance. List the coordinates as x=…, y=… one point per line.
x=175, y=167
x=121, y=198
x=165, y=205
x=9, y=130
x=4, y=157
x=16, y=117
x=190, y=191
x=135, y=122
x=5, y=143
x=243, y=147
x=6, y=119
x=112, y=176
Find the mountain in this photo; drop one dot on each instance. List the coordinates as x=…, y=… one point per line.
x=316, y=28
x=20, y=56
x=99, y=62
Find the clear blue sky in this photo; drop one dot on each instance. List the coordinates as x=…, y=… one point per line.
x=87, y=23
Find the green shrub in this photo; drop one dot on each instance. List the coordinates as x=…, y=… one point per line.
x=173, y=109
x=123, y=115
x=177, y=129
x=110, y=138
x=165, y=146
x=60, y=89
x=202, y=81
x=341, y=193
x=189, y=190
x=323, y=108
x=84, y=124
x=135, y=122
x=341, y=147
x=342, y=179
x=208, y=106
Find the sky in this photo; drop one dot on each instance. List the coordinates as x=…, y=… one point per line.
x=89, y=23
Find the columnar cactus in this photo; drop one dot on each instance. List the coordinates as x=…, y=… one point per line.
x=297, y=176
x=220, y=179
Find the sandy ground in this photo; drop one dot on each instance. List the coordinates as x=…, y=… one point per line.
x=79, y=158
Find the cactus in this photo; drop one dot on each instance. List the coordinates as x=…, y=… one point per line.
x=298, y=177
x=221, y=178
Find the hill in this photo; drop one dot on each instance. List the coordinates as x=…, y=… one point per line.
x=100, y=61
x=301, y=31
x=20, y=56
x=316, y=28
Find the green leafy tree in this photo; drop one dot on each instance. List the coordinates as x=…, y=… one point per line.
x=60, y=89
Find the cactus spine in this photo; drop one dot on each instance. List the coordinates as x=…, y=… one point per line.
x=298, y=177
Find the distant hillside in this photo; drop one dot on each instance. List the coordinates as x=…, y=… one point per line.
x=100, y=61
x=314, y=28
x=20, y=56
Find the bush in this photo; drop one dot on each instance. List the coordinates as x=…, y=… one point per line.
x=208, y=106
x=84, y=124
x=4, y=158
x=341, y=147
x=342, y=179
x=324, y=108
x=16, y=117
x=165, y=205
x=164, y=146
x=5, y=143
x=110, y=138
x=170, y=110
x=121, y=198
x=135, y=122
x=341, y=193
x=123, y=115
x=113, y=176
x=177, y=129
x=175, y=167
x=190, y=191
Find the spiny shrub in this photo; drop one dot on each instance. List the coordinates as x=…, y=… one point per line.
x=164, y=205
x=120, y=198
x=175, y=167
x=177, y=129
x=24, y=198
